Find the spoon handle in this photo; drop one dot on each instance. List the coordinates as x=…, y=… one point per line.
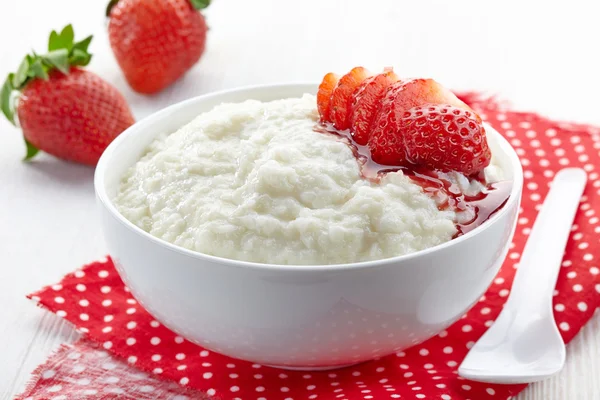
x=536, y=275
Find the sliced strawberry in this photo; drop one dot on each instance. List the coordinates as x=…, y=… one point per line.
x=445, y=137
x=417, y=92
x=366, y=102
x=399, y=98
x=324, y=95
x=341, y=99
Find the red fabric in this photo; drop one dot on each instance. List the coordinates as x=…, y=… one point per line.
x=95, y=300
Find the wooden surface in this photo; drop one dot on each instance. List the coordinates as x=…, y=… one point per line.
x=540, y=55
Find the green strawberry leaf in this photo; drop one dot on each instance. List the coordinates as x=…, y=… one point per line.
x=37, y=70
x=31, y=150
x=200, y=4
x=110, y=5
x=21, y=75
x=79, y=57
x=83, y=44
x=5, y=99
x=62, y=40
x=59, y=59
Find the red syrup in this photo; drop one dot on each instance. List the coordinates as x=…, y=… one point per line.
x=447, y=195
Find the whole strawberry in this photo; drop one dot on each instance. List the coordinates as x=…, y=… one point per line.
x=156, y=42
x=61, y=108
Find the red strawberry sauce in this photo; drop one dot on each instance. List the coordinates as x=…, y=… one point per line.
x=448, y=196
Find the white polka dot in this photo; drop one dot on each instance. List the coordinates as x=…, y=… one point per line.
x=48, y=374
x=210, y=392
x=588, y=257
x=90, y=392
x=184, y=381
x=106, y=302
x=109, y=366
x=156, y=357
x=107, y=329
x=57, y=287
x=446, y=397
x=131, y=359
x=284, y=389
x=84, y=317
x=80, y=287
x=147, y=389
x=157, y=370
x=423, y=352
x=131, y=324
x=111, y=379
x=83, y=381
x=448, y=350
x=577, y=288
x=594, y=270
x=428, y=366
x=105, y=289
x=207, y=375
x=234, y=388
x=503, y=292
x=582, y=306
x=466, y=387
x=59, y=300
x=84, y=303
x=204, y=353
x=559, y=307
x=79, y=274
x=178, y=339
x=418, y=396
x=130, y=310
x=451, y=363
x=467, y=328
x=55, y=388
x=571, y=274
x=260, y=389
x=155, y=341
x=130, y=341
x=107, y=345
x=564, y=326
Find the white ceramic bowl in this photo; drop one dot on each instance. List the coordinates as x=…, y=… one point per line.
x=311, y=317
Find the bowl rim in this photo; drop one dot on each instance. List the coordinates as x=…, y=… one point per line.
x=138, y=129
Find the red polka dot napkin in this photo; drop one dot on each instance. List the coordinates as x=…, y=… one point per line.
x=125, y=353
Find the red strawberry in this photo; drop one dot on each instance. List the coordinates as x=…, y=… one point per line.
x=156, y=41
x=366, y=103
x=324, y=94
x=64, y=110
x=341, y=99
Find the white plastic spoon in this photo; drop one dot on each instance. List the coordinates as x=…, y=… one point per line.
x=524, y=344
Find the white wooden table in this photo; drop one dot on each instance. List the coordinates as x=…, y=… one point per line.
x=543, y=56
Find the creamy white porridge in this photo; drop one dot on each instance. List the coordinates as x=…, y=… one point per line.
x=253, y=181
